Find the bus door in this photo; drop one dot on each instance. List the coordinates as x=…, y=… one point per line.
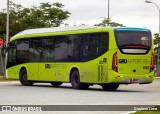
x=12, y=60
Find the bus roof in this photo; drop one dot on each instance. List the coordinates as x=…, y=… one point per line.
x=131, y=29
x=53, y=29
x=73, y=28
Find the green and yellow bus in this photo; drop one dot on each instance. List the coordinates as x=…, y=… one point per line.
x=82, y=56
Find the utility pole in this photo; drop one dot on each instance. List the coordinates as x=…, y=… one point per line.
x=7, y=34
x=147, y=1
x=7, y=24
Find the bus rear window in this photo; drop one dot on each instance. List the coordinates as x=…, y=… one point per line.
x=134, y=40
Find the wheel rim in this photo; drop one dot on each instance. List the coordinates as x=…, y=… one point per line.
x=25, y=77
x=76, y=79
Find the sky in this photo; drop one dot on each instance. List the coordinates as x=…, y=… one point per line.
x=132, y=13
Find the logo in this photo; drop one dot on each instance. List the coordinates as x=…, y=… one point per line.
x=130, y=61
x=124, y=61
x=6, y=108
x=21, y=108
x=47, y=66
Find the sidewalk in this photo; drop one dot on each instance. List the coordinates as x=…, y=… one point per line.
x=157, y=77
x=2, y=78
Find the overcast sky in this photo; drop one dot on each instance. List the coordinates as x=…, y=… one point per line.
x=133, y=13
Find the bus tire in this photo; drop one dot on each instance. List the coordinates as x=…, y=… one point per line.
x=56, y=84
x=110, y=87
x=23, y=79
x=75, y=81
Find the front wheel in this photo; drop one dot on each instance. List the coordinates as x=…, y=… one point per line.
x=110, y=87
x=23, y=79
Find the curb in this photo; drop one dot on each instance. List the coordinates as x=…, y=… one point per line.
x=3, y=79
x=156, y=77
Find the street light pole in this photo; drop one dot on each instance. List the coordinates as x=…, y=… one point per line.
x=159, y=33
x=108, y=10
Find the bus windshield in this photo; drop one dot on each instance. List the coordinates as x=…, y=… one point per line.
x=133, y=39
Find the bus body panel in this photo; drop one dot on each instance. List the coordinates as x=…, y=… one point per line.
x=131, y=64
x=13, y=72
x=137, y=70
x=46, y=73
x=32, y=74
x=95, y=71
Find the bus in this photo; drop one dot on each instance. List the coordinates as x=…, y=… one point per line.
x=82, y=56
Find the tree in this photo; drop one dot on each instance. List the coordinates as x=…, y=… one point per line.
x=107, y=21
x=21, y=18
x=156, y=41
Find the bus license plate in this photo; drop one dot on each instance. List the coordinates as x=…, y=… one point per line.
x=134, y=80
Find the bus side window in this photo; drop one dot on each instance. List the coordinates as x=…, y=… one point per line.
x=104, y=43
x=47, y=53
x=74, y=48
x=90, y=46
x=60, y=48
x=35, y=49
x=22, y=50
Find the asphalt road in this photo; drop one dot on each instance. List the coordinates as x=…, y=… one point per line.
x=12, y=93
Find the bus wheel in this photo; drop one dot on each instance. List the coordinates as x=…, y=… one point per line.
x=75, y=81
x=56, y=84
x=110, y=87
x=23, y=79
